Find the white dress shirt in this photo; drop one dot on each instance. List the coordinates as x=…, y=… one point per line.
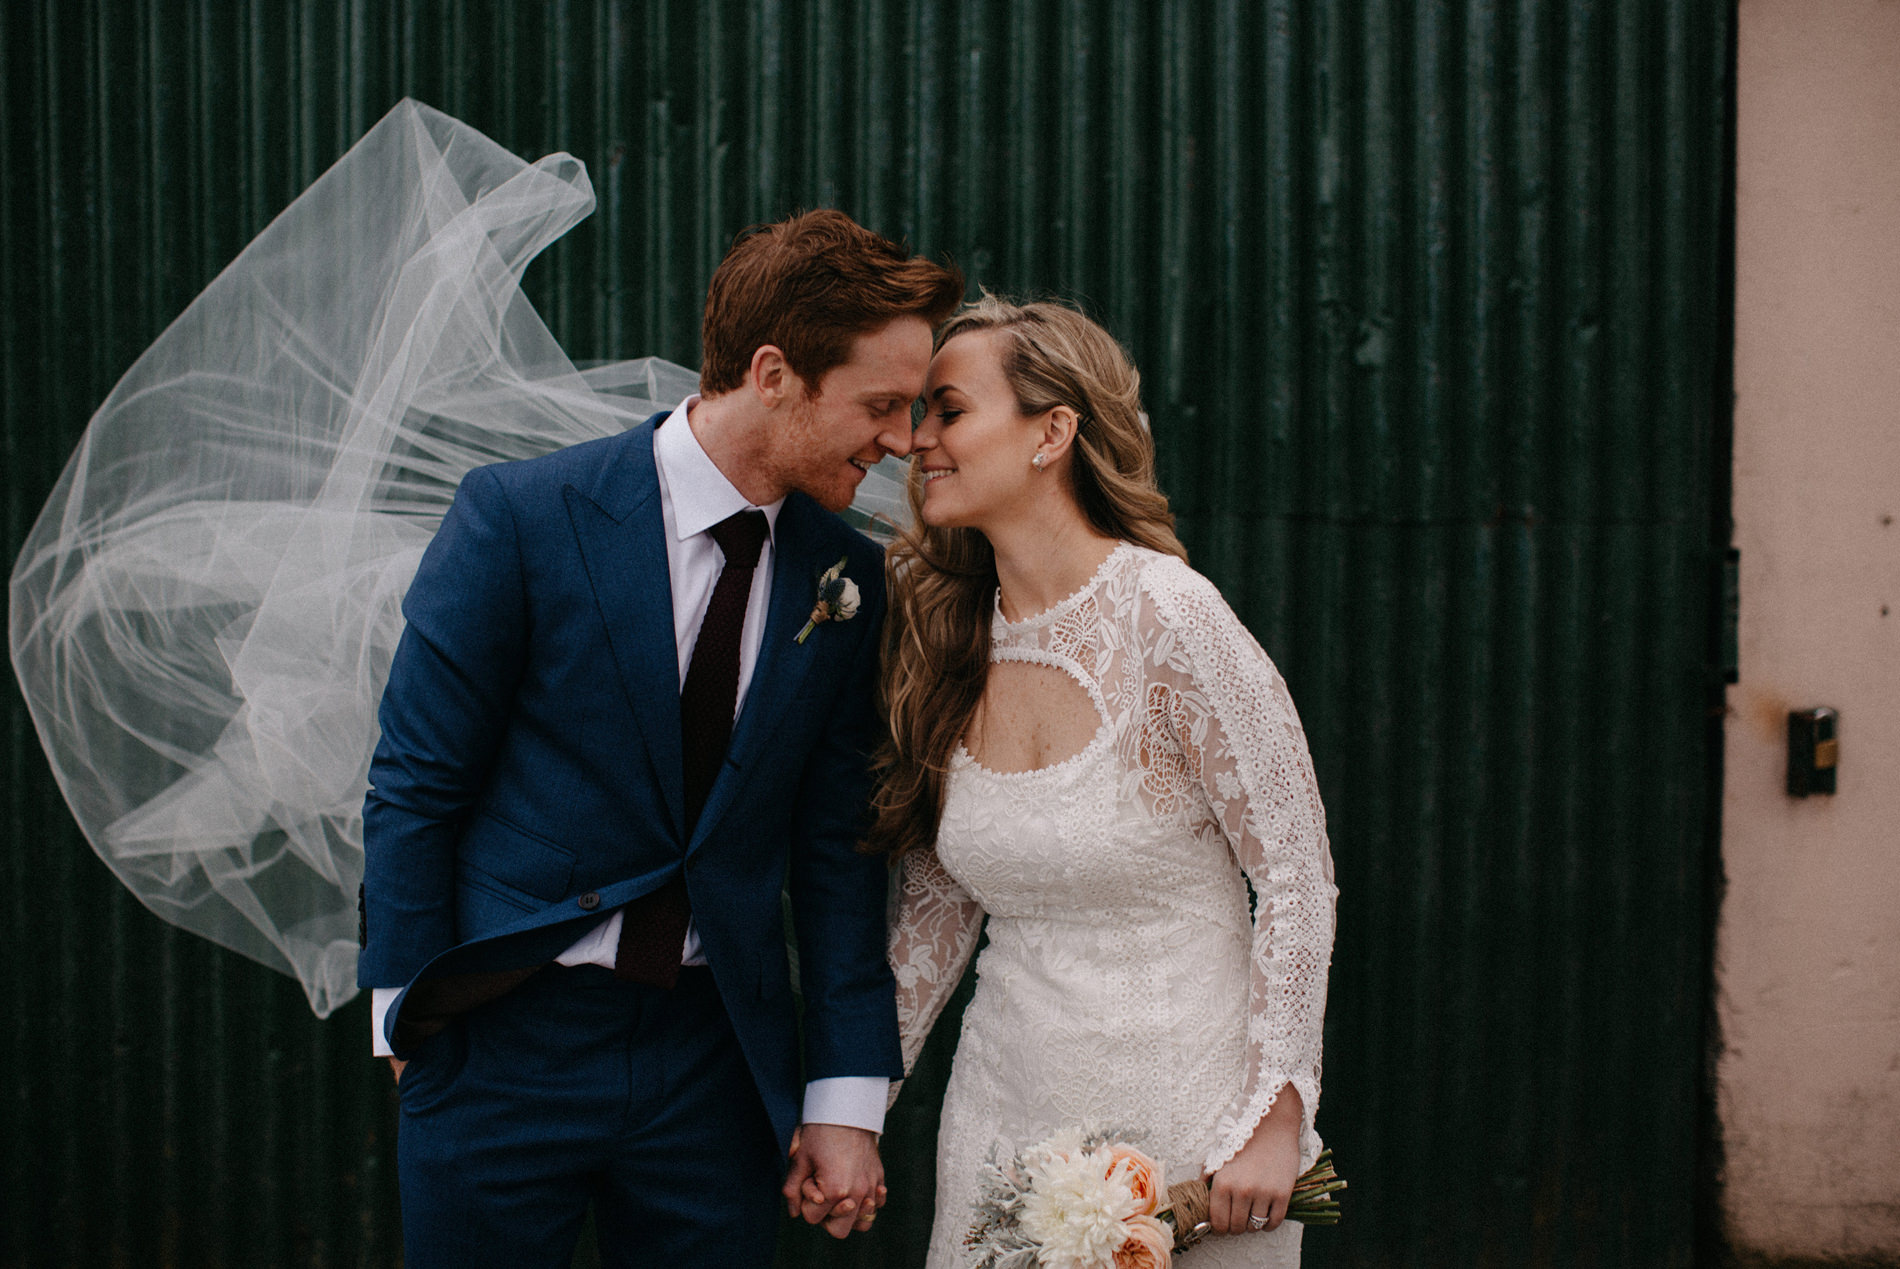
x=694, y=496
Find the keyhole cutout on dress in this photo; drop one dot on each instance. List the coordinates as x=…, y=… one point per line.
x=1031, y=716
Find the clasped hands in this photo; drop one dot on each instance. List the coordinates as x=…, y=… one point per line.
x=836, y=1178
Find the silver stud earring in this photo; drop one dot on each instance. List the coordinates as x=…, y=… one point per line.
x=1038, y=461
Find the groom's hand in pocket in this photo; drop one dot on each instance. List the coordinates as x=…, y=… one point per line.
x=836, y=1178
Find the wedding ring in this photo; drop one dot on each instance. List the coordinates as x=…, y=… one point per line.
x=1256, y=1222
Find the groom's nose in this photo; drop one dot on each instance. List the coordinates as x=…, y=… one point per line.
x=896, y=440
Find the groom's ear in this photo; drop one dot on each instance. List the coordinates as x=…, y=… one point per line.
x=770, y=376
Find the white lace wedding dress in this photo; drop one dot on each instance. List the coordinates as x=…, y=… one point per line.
x=1125, y=986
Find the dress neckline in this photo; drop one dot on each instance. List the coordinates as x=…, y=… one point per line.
x=1062, y=606
x=1097, y=743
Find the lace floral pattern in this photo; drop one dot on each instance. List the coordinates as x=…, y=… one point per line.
x=1125, y=984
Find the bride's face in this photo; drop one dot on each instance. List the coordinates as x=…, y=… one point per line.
x=974, y=444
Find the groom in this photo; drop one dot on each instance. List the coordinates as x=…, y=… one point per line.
x=605, y=751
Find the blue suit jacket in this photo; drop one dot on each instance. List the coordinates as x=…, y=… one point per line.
x=528, y=779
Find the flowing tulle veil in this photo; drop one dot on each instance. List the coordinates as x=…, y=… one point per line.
x=203, y=615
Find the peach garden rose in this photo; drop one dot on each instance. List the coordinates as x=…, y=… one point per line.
x=1149, y=1245
x=1143, y=1176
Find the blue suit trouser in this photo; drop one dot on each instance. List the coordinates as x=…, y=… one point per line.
x=577, y=1088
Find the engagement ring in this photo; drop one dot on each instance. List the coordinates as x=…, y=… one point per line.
x=1256, y=1222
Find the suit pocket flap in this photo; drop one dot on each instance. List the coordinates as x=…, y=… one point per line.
x=517, y=858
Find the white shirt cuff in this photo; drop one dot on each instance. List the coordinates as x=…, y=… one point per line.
x=380, y=999
x=855, y=1101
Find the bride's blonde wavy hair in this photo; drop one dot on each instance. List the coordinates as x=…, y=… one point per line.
x=942, y=582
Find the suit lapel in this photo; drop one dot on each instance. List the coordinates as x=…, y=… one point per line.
x=622, y=541
x=783, y=661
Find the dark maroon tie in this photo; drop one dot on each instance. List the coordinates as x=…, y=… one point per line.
x=653, y=928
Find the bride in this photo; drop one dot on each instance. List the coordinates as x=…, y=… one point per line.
x=1089, y=749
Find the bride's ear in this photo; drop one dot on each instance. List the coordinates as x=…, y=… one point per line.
x=1057, y=435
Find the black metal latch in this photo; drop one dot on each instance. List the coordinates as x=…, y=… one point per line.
x=1814, y=751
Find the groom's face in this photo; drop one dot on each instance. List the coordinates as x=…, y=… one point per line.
x=859, y=412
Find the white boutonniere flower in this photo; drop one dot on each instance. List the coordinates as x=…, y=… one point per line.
x=837, y=599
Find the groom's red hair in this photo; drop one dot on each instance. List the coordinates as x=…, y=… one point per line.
x=810, y=285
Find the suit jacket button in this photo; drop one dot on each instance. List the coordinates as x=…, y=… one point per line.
x=589, y=901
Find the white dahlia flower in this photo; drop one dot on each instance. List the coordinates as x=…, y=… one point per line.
x=1074, y=1210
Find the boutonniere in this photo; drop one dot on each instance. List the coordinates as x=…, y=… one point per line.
x=837, y=599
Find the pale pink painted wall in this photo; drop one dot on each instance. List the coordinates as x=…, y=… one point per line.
x=1808, y=951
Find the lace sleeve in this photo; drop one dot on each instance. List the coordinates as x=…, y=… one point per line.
x=931, y=942
x=1230, y=711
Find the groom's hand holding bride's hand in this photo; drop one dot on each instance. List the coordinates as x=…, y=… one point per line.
x=1253, y=1190
x=836, y=1178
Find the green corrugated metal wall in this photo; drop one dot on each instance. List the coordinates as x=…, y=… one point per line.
x=1429, y=295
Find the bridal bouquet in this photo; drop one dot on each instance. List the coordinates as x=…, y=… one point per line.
x=1093, y=1201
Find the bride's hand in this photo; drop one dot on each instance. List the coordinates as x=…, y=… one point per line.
x=1258, y=1182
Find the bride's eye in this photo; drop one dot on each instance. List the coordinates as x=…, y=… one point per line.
x=947, y=416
